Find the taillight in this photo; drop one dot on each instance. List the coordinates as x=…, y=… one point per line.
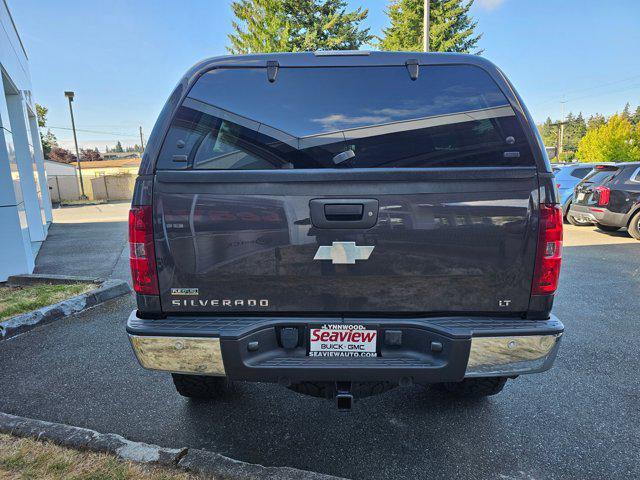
x=604, y=195
x=549, y=251
x=142, y=255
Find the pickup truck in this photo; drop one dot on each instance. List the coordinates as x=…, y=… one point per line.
x=342, y=223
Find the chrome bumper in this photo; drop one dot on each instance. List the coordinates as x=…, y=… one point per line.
x=488, y=356
x=506, y=356
x=199, y=356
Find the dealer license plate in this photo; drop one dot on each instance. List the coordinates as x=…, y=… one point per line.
x=342, y=341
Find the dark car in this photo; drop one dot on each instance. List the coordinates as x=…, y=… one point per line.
x=343, y=223
x=610, y=198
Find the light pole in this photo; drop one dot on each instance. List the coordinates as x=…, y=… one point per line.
x=70, y=96
x=425, y=19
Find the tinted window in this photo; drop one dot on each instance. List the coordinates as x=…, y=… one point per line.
x=580, y=172
x=600, y=176
x=450, y=116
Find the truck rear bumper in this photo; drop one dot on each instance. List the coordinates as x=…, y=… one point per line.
x=426, y=350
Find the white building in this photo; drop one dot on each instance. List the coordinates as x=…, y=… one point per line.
x=25, y=207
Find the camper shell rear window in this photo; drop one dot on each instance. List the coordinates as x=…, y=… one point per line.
x=344, y=117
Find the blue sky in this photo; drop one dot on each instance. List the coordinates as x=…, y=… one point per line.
x=123, y=57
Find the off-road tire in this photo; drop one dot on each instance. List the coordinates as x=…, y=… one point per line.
x=475, y=387
x=572, y=220
x=607, y=228
x=634, y=226
x=200, y=387
x=328, y=389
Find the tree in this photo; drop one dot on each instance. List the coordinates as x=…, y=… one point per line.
x=596, y=120
x=47, y=140
x=325, y=25
x=62, y=155
x=615, y=141
x=574, y=130
x=263, y=26
x=41, y=113
x=90, y=155
x=451, y=28
x=549, y=133
x=118, y=148
x=626, y=112
x=636, y=116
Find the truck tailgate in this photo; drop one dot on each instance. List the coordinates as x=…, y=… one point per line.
x=445, y=240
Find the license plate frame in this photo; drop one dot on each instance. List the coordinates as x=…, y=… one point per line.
x=343, y=340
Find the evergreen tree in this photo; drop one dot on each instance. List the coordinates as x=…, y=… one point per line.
x=260, y=26
x=118, y=148
x=626, y=112
x=549, y=133
x=451, y=28
x=574, y=130
x=636, y=116
x=263, y=26
x=325, y=25
x=596, y=120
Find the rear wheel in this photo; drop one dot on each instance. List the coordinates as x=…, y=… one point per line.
x=199, y=386
x=574, y=221
x=634, y=226
x=607, y=228
x=475, y=387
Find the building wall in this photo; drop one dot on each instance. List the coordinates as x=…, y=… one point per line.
x=25, y=206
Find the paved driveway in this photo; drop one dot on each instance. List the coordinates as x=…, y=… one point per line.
x=86, y=240
x=580, y=420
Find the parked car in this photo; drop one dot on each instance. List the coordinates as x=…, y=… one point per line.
x=344, y=223
x=567, y=177
x=610, y=197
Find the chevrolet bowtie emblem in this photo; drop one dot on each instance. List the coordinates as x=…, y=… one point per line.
x=343, y=252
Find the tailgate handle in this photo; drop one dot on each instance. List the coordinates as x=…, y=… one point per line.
x=343, y=213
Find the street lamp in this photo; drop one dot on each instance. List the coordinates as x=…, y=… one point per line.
x=70, y=96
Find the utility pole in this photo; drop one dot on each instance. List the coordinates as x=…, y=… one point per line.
x=425, y=34
x=141, y=140
x=70, y=96
x=560, y=139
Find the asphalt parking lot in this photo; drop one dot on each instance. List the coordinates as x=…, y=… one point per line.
x=579, y=420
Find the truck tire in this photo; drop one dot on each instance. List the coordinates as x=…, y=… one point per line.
x=607, y=228
x=200, y=387
x=634, y=226
x=475, y=387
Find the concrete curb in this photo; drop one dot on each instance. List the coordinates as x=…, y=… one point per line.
x=39, y=278
x=108, y=290
x=221, y=467
x=83, y=438
x=193, y=460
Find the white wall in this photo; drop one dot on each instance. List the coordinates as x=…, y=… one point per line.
x=25, y=207
x=57, y=168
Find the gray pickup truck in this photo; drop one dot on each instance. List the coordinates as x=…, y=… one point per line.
x=342, y=223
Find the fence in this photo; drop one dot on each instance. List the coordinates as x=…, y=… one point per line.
x=113, y=187
x=63, y=188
